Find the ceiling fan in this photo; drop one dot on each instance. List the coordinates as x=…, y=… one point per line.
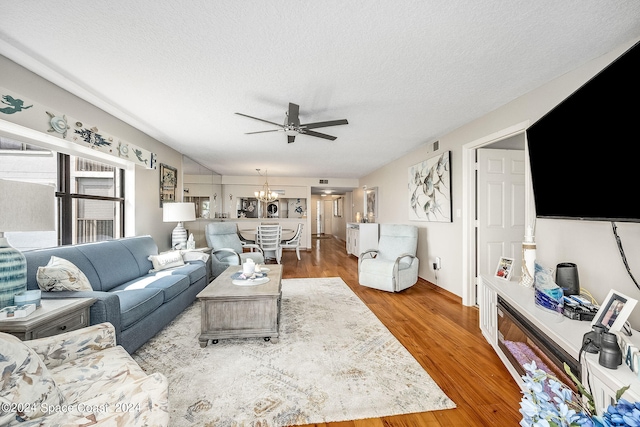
x=292, y=126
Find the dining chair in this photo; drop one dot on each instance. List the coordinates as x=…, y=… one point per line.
x=294, y=243
x=268, y=238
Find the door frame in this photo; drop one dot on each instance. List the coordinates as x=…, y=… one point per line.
x=469, y=202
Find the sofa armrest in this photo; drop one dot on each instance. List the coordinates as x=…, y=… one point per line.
x=106, y=308
x=62, y=348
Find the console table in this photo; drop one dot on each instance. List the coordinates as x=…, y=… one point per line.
x=361, y=237
x=563, y=331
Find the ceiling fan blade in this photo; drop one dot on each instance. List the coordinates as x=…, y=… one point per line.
x=325, y=124
x=291, y=138
x=293, y=114
x=263, y=131
x=319, y=135
x=262, y=120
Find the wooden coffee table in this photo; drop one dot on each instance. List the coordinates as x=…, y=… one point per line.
x=234, y=311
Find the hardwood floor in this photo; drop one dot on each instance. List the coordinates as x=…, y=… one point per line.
x=441, y=333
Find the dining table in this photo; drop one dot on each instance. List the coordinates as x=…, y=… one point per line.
x=250, y=233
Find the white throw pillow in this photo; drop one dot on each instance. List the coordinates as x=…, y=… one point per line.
x=62, y=275
x=166, y=260
x=25, y=382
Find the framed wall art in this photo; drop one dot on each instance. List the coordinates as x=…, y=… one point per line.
x=168, y=183
x=371, y=204
x=614, y=311
x=430, y=189
x=338, y=207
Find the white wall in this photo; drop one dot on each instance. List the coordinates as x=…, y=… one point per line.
x=144, y=215
x=590, y=245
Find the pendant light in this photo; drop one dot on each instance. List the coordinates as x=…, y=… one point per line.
x=265, y=195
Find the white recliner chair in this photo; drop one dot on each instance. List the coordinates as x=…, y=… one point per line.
x=393, y=267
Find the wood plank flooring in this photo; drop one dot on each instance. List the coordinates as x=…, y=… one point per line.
x=441, y=333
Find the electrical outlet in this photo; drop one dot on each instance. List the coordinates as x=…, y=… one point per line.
x=437, y=264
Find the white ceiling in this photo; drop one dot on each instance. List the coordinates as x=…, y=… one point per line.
x=402, y=72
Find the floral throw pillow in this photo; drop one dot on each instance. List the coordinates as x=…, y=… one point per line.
x=26, y=387
x=62, y=275
x=166, y=260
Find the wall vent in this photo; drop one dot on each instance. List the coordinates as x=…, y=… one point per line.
x=324, y=181
x=434, y=146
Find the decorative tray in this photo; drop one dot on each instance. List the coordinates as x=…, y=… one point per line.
x=240, y=279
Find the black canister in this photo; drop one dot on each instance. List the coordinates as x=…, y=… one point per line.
x=592, y=340
x=567, y=278
x=610, y=353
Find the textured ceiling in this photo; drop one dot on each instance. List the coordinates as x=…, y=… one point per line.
x=402, y=72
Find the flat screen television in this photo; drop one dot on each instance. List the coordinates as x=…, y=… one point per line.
x=583, y=158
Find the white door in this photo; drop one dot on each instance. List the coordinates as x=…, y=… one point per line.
x=319, y=217
x=501, y=209
x=328, y=217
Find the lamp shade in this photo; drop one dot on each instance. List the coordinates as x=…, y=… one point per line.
x=23, y=207
x=178, y=212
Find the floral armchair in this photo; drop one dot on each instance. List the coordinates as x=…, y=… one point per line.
x=78, y=378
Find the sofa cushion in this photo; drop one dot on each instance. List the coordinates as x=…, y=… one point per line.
x=170, y=284
x=195, y=270
x=167, y=260
x=25, y=381
x=113, y=262
x=62, y=275
x=141, y=247
x=136, y=304
x=40, y=257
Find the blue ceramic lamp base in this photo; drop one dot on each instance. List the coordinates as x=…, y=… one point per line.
x=13, y=273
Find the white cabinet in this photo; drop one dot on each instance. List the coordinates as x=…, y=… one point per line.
x=566, y=333
x=361, y=237
x=488, y=302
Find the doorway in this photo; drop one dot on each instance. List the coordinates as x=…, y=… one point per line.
x=323, y=217
x=471, y=203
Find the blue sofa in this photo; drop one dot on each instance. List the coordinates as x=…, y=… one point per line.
x=137, y=302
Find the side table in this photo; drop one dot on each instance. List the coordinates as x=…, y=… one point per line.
x=53, y=317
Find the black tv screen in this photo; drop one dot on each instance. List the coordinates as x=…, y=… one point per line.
x=583, y=153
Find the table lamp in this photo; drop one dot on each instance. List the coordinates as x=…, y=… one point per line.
x=24, y=206
x=180, y=212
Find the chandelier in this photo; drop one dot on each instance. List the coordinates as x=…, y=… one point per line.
x=265, y=195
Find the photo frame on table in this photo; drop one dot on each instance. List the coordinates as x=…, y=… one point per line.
x=615, y=311
x=504, y=268
x=168, y=183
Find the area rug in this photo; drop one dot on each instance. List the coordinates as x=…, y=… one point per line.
x=334, y=361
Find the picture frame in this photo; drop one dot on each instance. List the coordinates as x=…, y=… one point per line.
x=504, y=268
x=371, y=204
x=429, y=189
x=338, y=207
x=168, y=183
x=615, y=311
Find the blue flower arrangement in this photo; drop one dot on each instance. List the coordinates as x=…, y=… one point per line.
x=547, y=402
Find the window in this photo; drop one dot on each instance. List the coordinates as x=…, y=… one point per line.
x=90, y=194
x=91, y=200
